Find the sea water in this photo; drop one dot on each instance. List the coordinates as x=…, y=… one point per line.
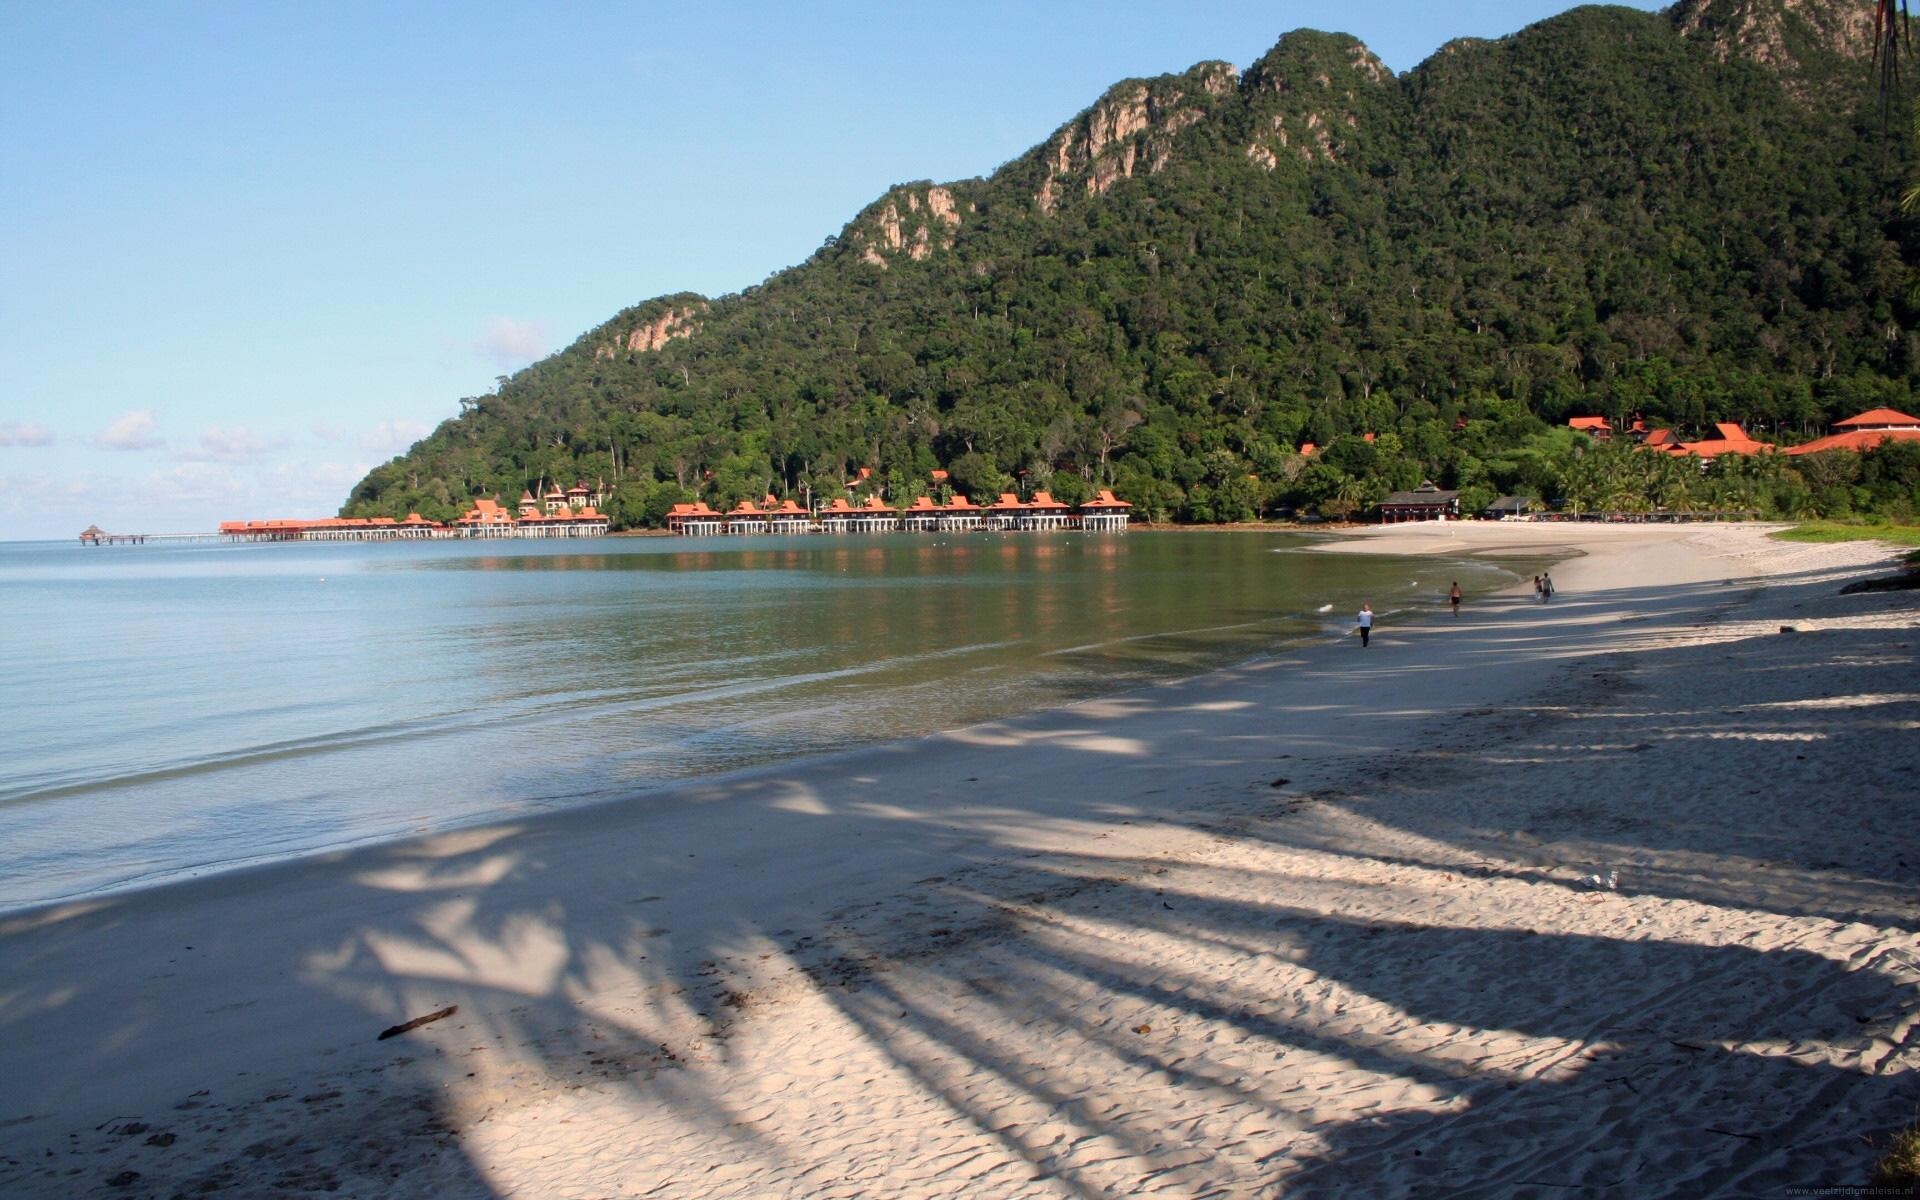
x=171, y=710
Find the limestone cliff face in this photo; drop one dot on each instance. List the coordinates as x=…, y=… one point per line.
x=1312, y=98
x=913, y=220
x=1131, y=130
x=650, y=327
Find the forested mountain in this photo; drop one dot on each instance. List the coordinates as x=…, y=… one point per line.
x=1689, y=215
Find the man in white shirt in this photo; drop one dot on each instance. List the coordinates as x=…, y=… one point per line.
x=1366, y=624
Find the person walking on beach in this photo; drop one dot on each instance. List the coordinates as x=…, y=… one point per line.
x=1539, y=590
x=1453, y=597
x=1546, y=587
x=1365, y=622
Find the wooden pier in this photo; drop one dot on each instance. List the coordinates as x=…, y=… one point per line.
x=93, y=535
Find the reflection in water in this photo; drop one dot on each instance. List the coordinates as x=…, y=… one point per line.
x=226, y=704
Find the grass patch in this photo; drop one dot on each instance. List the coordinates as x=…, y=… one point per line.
x=1842, y=531
x=1899, y=1167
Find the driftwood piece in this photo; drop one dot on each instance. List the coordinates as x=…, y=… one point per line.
x=417, y=1022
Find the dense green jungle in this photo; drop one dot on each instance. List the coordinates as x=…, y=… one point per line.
x=1689, y=216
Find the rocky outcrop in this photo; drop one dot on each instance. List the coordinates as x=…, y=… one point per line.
x=914, y=220
x=1309, y=96
x=1802, y=40
x=1130, y=131
x=651, y=332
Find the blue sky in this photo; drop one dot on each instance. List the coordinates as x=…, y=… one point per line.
x=248, y=250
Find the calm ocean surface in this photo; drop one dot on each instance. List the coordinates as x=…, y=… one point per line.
x=172, y=710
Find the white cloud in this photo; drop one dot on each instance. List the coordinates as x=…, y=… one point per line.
x=389, y=438
x=193, y=483
x=25, y=433
x=136, y=430
x=232, y=445
x=509, y=343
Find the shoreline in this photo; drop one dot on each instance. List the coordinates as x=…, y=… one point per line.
x=159, y=875
x=632, y=1016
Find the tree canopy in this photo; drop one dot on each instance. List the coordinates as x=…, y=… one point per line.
x=1611, y=212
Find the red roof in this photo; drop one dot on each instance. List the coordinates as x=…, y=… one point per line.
x=1732, y=440
x=1007, y=501
x=923, y=504
x=1046, y=500
x=938, y=476
x=961, y=504
x=1879, y=418
x=1105, y=500
x=1593, y=423
x=838, y=507
x=1858, y=439
x=875, y=504
x=746, y=508
x=1307, y=449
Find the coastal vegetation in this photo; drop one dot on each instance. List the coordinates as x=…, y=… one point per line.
x=1686, y=217
x=1852, y=531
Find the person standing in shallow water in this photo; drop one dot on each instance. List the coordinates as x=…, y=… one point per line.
x=1453, y=597
x=1365, y=621
x=1546, y=587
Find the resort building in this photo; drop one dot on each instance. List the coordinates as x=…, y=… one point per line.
x=747, y=517
x=876, y=516
x=922, y=516
x=1044, y=512
x=1005, y=512
x=837, y=516
x=695, y=520
x=1104, y=512
x=960, y=513
x=1424, y=503
x=789, y=518
x=1598, y=428
x=1865, y=431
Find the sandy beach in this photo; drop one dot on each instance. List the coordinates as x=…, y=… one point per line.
x=1312, y=926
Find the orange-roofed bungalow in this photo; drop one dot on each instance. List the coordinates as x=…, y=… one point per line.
x=876, y=516
x=1105, y=512
x=1666, y=441
x=1044, y=512
x=1307, y=449
x=694, y=520
x=789, y=518
x=417, y=526
x=838, y=516
x=1005, y=513
x=585, y=521
x=960, y=513
x=922, y=516
x=1729, y=439
x=1595, y=427
x=1865, y=431
x=529, y=507
x=486, y=519
x=746, y=517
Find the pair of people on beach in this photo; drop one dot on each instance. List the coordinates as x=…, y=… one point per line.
x=1543, y=587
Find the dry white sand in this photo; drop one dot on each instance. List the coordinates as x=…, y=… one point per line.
x=1314, y=926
